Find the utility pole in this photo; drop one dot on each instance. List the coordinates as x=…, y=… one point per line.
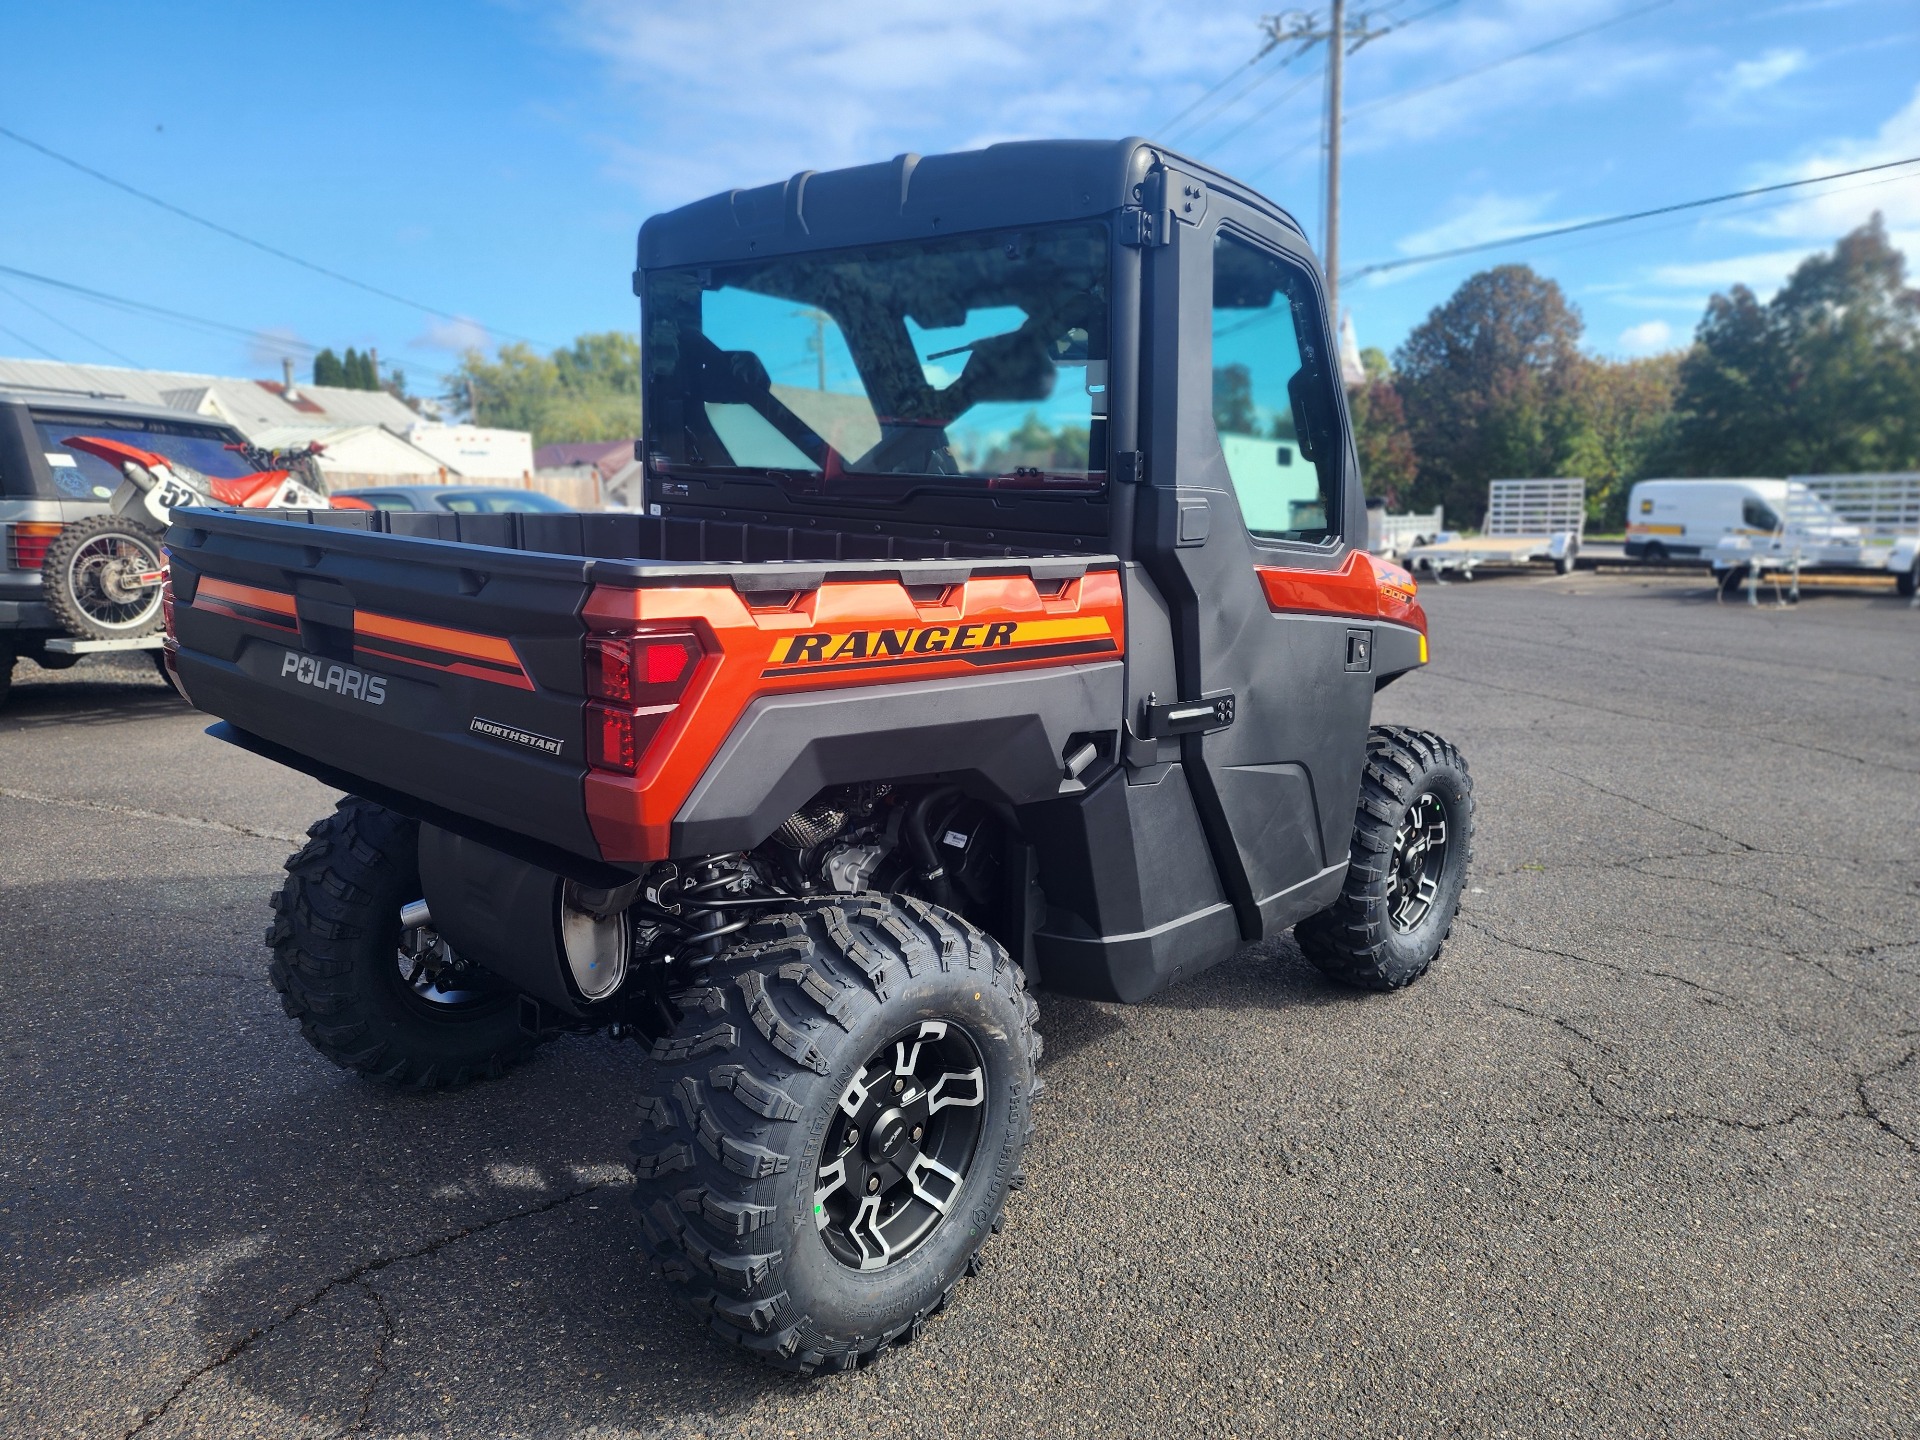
x=1296, y=27
x=1336, y=74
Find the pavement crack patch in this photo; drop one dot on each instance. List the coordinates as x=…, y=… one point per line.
x=354, y=1276
x=1709, y=995
x=381, y=1365
x=1870, y=1111
x=132, y=812
x=1580, y=779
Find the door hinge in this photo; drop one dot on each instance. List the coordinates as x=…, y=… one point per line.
x=1143, y=228
x=1188, y=717
x=1129, y=467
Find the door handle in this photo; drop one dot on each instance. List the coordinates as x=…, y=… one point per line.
x=1188, y=717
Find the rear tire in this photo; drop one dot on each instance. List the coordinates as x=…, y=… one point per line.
x=336, y=938
x=85, y=575
x=6, y=676
x=763, y=1198
x=1396, y=909
x=1908, y=583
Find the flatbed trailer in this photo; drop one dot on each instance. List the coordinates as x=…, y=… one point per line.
x=1835, y=525
x=1528, y=522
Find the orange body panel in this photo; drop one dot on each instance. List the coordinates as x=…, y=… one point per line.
x=1364, y=588
x=845, y=633
x=377, y=637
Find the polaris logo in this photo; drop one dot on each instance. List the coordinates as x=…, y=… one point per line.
x=513, y=734
x=329, y=675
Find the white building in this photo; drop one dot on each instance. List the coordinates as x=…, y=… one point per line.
x=370, y=437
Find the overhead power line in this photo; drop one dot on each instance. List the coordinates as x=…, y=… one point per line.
x=283, y=342
x=1532, y=50
x=261, y=245
x=1558, y=230
x=1399, y=95
x=20, y=299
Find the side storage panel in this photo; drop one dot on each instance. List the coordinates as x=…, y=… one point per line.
x=1133, y=900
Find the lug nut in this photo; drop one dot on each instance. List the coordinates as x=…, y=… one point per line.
x=918, y=1131
x=873, y=1183
x=853, y=1136
x=898, y=1086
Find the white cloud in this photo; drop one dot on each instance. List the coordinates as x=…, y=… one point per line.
x=1823, y=214
x=454, y=336
x=1487, y=217
x=1750, y=77
x=732, y=92
x=1647, y=338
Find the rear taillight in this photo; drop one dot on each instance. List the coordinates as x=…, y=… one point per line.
x=27, y=542
x=637, y=681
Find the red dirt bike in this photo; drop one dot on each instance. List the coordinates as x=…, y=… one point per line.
x=103, y=575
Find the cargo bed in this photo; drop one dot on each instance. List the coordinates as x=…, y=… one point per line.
x=437, y=663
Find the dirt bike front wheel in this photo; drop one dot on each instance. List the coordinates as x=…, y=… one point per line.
x=101, y=578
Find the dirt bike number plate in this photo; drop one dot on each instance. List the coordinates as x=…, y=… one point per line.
x=168, y=494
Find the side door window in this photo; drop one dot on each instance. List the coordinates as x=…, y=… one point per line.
x=1273, y=399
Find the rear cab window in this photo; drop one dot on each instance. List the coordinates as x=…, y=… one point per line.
x=75, y=475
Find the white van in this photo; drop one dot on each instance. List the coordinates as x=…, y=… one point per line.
x=1686, y=519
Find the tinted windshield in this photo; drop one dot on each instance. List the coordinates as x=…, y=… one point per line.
x=87, y=477
x=975, y=360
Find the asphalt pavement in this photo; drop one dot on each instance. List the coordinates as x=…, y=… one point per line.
x=1640, y=1157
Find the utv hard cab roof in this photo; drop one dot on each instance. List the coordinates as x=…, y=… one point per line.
x=909, y=197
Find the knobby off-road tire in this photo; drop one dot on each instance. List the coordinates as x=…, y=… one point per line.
x=79, y=605
x=757, y=1087
x=1397, y=907
x=335, y=939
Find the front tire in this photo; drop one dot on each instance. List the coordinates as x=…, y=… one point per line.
x=1907, y=583
x=831, y=1127
x=91, y=579
x=1412, y=844
x=339, y=965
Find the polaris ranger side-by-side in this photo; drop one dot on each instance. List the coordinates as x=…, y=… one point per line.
x=998, y=620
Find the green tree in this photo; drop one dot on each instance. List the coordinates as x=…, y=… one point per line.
x=1388, y=464
x=589, y=390
x=1824, y=377
x=1489, y=383
x=1623, y=416
x=1233, y=399
x=327, y=369
x=1032, y=445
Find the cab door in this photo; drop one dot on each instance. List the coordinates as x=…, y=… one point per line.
x=1252, y=511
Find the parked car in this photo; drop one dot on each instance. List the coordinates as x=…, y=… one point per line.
x=459, y=500
x=47, y=488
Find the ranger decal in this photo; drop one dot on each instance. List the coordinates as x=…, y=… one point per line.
x=981, y=642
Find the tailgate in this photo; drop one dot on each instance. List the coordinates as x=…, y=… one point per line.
x=450, y=673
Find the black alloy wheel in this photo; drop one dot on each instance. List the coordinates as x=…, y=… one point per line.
x=909, y=1125
x=831, y=1124
x=1412, y=844
x=1419, y=862
x=373, y=986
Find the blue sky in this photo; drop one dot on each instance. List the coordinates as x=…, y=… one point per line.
x=493, y=160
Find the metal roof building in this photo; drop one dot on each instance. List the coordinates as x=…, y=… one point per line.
x=372, y=436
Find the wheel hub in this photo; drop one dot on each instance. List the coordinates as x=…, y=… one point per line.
x=908, y=1127
x=1419, y=861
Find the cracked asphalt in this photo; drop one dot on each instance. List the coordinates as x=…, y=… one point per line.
x=1639, y=1157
